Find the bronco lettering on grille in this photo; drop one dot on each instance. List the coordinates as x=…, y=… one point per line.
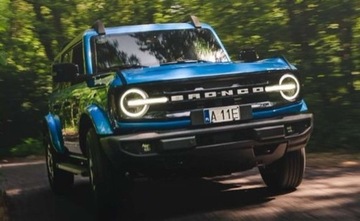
x=219, y=93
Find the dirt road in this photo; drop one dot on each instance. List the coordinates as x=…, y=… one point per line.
x=325, y=194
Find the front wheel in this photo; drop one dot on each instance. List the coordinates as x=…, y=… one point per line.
x=61, y=182
x=285, y=173
x=103, y=177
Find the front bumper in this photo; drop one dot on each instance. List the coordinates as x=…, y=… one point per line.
x=212, y=150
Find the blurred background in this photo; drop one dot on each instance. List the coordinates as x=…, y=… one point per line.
x=321, y=37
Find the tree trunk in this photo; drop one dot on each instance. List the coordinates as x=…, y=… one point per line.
x=346, y=25
x=43, y=31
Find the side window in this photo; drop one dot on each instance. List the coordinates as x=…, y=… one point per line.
x=78, y=58
x=75, y=56
x=66, y=58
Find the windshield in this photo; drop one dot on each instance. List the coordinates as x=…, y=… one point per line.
x=155, y=48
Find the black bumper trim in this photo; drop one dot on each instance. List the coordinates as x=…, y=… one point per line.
x=269, y=142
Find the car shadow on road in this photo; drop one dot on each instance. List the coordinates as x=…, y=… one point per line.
x=41, y=204
x=326, y=193
x=173, y=198
x=161, y=200
x=166, y=199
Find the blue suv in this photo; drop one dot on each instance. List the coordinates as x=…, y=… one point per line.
x=160, y=99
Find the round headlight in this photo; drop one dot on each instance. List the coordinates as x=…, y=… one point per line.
x=137, y=111
x=290, y=87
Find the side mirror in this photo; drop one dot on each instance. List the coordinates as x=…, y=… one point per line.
x=248, y=55
x=65, y=72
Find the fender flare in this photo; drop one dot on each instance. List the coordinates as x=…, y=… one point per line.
x=53, y=126
x=99, y=120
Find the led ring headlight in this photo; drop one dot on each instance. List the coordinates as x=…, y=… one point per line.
x=291, y=87
x=134, y=112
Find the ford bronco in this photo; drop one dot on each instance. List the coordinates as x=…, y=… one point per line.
x=160, y=99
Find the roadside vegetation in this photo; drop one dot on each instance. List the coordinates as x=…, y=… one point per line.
x=320, y=37
x=27, y=147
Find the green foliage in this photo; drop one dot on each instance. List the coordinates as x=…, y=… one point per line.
x=320, y=37
x=29, y=146
x=2, y=58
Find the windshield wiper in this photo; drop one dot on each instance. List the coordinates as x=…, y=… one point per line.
x=187, y=61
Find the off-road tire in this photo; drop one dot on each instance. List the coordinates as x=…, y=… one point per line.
x=285, y=173
x=103, y=178
x=61, y=182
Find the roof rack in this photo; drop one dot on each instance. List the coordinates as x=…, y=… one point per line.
x=99, y=27
x=195, y=21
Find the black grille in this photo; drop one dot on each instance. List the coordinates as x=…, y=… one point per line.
x=213, y=85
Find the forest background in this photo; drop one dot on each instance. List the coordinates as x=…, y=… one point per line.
x=321, y=37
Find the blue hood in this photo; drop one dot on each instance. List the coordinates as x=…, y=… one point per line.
x=195, y=70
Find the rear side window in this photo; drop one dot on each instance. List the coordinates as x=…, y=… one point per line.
x=76, y=56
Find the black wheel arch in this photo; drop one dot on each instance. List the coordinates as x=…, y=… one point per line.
x=85, y=124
